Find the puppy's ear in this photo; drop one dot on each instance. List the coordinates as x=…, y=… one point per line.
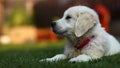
x=84, y=22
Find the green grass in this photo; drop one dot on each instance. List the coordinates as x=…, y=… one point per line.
x=28, y=56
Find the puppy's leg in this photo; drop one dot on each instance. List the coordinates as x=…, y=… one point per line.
x=67, y=53
x=88, y=56
x=80, y=58
x=55, y=58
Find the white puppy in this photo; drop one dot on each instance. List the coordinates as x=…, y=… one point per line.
x=87, y=40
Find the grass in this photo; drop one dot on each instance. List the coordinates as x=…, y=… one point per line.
x=28, y=56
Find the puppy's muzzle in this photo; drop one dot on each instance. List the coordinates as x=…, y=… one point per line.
x=53, y=24
x=56, y=29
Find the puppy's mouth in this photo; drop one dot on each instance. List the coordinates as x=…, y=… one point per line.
x=59, y=32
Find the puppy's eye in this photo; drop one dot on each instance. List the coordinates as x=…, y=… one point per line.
x=68, y=17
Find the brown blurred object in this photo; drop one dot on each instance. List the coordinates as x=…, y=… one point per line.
x=104, y=15
x=46, y=35
x=22, y=34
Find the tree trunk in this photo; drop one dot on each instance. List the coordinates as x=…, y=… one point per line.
x=1, y=16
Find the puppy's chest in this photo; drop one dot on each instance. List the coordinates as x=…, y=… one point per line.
x=76, y=52
x=80, y=46
x=82, y=43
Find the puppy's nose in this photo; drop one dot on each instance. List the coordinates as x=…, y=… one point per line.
x=53, y=24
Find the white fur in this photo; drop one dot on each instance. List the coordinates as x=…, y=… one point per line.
x=103, y=44
x=55, y=58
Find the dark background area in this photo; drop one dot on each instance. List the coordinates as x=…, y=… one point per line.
x=46, y=11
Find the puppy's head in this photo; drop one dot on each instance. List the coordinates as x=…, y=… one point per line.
x=76, y=20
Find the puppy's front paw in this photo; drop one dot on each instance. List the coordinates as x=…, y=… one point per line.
x=80, y=58
x=47, y=59
x=73, y=60
x=55, y=58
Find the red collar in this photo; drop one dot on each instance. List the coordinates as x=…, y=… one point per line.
x=84, y=43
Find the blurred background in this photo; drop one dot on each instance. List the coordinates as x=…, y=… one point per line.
x=23, y=21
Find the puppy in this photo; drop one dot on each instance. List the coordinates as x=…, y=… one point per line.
x=87, y=40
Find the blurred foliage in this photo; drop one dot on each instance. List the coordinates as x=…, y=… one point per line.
x=18, y=17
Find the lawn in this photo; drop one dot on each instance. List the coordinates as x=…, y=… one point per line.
x=28, y=56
